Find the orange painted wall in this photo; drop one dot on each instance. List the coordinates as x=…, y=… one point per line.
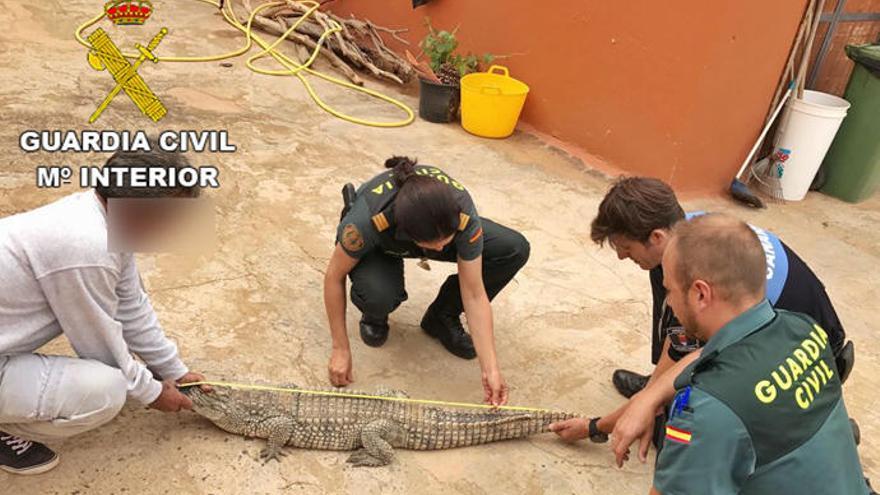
x=677, y=90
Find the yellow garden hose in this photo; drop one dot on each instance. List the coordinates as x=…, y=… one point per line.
x=292, y=68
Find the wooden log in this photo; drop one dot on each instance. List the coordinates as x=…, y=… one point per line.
x=272, y=27
x=350, y=52
x=359, y=44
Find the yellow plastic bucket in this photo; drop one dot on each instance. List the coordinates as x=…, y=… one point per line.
x=491, y=102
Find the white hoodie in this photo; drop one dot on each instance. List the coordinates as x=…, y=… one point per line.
x=56, y=276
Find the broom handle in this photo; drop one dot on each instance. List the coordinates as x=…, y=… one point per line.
x=788, y=77
x=765, y=130
x=805, y=60
x=805, y=53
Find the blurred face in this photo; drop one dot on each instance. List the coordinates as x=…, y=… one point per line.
x=154, y=225
x=645, y=254
x=437, y=245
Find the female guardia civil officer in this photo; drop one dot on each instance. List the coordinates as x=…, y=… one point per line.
x=416, y=211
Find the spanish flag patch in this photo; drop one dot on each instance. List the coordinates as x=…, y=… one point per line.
x=678, y=435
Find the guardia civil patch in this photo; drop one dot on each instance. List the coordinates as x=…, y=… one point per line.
x=678, y=435
x=352, y=240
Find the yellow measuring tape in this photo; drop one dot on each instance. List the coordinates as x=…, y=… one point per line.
x=269, y=388
x=292, y=68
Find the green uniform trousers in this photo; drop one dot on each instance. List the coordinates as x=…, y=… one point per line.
x=377, y=285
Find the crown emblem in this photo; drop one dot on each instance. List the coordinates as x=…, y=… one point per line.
x=128, y=12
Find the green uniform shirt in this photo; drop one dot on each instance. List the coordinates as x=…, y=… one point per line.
x=761, y=412
x=369, y=225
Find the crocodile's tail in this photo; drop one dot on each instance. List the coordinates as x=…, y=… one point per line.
x=464, y=430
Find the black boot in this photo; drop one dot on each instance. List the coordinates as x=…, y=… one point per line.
x=20, y=456
x=448, y=329
x=628, y=383
x=374, y=330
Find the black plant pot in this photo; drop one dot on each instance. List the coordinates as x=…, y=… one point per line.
x=438, y=102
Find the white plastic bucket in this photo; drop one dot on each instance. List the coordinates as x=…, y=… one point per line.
x=805, y=133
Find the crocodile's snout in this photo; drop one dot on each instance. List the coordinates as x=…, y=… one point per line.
x=200, y=398
x=211, y=405
x=196, y=394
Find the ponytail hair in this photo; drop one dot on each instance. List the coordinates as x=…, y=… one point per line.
x=404, y=167
x=425, y=208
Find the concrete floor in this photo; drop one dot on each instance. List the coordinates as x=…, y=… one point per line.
x=252, y=309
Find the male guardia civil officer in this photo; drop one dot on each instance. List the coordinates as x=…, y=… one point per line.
x=760, y=411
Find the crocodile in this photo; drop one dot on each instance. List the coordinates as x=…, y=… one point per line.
x=371, y=427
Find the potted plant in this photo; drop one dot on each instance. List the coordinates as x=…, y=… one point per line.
x=440, y=77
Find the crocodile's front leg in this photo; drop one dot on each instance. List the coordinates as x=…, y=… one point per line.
x=377, y=450
x=279, y=429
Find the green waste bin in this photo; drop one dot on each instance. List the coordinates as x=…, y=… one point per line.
x=853, y=162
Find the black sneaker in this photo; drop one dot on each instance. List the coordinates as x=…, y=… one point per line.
x=448, y=329
x=374, y=330
x=628, y=383
x=20, y=456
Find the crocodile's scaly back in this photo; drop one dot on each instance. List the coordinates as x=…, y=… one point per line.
x=344, y=421
x=432, y=428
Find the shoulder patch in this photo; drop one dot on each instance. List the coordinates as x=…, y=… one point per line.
x=476, y=236
x=464, y=221
x=352, y=239
x=380, y=222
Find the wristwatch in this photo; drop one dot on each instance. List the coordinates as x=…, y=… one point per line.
x=595, y=435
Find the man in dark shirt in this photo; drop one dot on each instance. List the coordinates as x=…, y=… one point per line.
x=791, y=285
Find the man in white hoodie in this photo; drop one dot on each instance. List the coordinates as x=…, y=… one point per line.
x=57, y=276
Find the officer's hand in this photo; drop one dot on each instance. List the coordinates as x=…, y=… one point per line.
x=170, y=399
x=495, y=388
x=571, y=430
x=636, y=423
x=340, y=367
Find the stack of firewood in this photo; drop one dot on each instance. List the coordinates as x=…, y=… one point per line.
x=357, y=47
